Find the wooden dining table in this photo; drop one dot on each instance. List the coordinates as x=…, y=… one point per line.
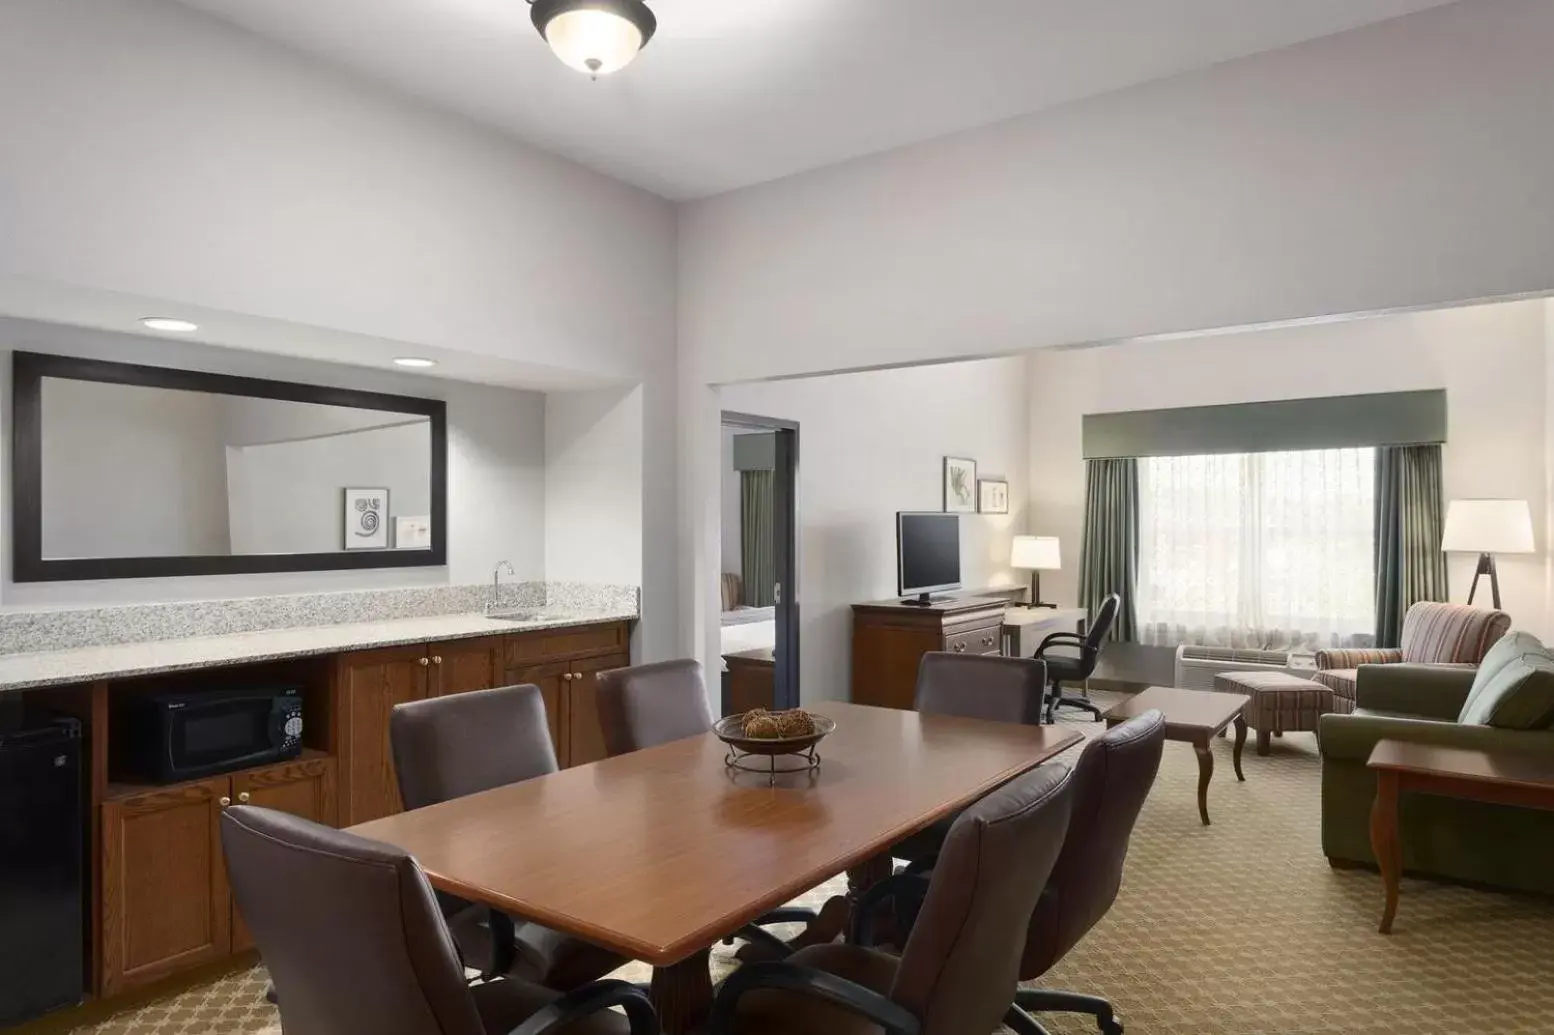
x=661, y=853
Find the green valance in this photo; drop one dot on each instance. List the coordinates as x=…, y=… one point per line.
x=1335, y=422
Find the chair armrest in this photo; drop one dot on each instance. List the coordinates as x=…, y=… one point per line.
x=1428, y=691
x=1356, y=658
x=1352, y=738
x=1061, y=639
x=590, y=999
x=790, y=977
x=904, y=886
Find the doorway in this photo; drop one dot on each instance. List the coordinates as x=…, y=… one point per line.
x=759, y=629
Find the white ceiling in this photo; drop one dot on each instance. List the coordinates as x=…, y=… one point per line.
x=735, y=92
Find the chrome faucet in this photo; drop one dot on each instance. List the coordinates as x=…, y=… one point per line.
x=496, y=584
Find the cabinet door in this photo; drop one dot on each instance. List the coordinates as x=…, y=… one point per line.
x=370, y=683
x=165, y=903
x=303, y=788
x=553, y=681
x=584, y=735
x=461, y=665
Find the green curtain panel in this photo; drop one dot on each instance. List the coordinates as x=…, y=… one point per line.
x=756, y=537
x=1410, y=515
x=1109, y=559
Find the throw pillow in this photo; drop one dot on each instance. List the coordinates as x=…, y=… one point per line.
x=1514, y=686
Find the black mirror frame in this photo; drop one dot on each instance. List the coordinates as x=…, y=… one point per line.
x=27, y=561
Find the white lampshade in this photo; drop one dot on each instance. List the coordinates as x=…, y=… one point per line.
x=1488, y=526
x=596, y=37
x=1035, y=553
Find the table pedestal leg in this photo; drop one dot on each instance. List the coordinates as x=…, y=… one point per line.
x=1205, y=774
x=682, y=993
x=836, y=915
x=1240, y=743
x=1384, y=842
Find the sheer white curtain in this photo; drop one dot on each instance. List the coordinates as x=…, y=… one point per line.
x=1268, y=550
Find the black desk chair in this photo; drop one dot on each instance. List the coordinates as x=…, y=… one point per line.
x=1076, y=667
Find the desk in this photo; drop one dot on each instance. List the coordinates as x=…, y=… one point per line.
x=1025, y=627
x=1525, y=780
x=660, y=853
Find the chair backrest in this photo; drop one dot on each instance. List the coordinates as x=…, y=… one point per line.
x=959, y=967
x=1111, y=781
x=347, y=927
x=981, y=687
x=1450, y=634
x=647, y=705
x=1101, y=626
x=447, y=747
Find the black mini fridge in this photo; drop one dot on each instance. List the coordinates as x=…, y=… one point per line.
x=42, y=926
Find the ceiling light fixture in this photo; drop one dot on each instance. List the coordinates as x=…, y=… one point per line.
x=594, y=36
x=415, y=361
x=168, y=323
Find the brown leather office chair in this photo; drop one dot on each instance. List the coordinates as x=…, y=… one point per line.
x=972, y=687
x=647, y=705
x=354, y=942
x=958, y=970
x=448, y=747
x=1113, y=777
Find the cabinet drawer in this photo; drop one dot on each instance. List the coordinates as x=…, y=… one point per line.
x=974, y=641
x=575, y=642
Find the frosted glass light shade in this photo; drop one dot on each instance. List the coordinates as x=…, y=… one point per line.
x=1035, y=553
x=1488, y=526
x=596, y=37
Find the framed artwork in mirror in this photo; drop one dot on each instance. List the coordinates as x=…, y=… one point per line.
x=366, y=519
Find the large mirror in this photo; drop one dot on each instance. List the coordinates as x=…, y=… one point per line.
x=124, y=471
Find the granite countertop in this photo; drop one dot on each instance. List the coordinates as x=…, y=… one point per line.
x=86, y=664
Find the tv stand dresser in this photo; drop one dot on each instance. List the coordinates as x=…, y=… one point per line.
x=890, y=638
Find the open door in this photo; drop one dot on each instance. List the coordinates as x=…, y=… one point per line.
x=760, y=520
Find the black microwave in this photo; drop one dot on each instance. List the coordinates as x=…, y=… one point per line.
x=167, y=737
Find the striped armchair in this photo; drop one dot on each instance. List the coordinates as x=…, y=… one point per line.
x=1433, y=634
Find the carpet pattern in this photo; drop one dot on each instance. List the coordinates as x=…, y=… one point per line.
x=1239, y=928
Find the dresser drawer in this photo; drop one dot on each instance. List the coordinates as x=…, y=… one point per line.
x=982, y=640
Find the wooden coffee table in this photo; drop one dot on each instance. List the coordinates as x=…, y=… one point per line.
x=1195, y=717
x=1503, y=778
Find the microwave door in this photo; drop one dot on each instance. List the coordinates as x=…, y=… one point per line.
x=217, y=738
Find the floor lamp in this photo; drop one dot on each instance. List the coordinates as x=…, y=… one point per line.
x=1487, y=527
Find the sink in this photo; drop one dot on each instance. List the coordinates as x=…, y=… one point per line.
x=520, y=616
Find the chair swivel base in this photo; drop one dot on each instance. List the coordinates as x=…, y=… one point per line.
x=1062, y=700
x=1041, y=1000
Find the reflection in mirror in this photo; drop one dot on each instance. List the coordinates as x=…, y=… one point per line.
x=135, y=471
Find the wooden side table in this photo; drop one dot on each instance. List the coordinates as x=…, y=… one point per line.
x=1502, y=778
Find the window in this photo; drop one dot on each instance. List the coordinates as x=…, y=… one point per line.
x=1268, y=550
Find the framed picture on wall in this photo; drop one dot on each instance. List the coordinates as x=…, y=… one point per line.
x=992, y=496
x=960, y=485
x=366, y=519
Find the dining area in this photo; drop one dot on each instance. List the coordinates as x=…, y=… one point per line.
x=509, y=891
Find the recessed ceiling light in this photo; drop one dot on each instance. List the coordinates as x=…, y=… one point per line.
x=167, y=323
x=415, y=361
x=596, y=37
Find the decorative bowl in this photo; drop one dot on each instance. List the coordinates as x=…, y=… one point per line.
x=731, y=730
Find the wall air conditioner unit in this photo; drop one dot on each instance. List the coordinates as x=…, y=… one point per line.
x=1196, y=667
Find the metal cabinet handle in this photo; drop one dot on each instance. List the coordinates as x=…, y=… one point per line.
x=959, y=647
x=987, y=641
x=243, y=797
x=436, y=659
x=426, y=661
x=224, y=801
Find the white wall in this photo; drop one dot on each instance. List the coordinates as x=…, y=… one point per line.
x=286, y=497
x=156, y=152
x=496, y=471
x=130, y=471
x=1490, y=359
x=729, y=494
x=871, y=444
x=593, y=486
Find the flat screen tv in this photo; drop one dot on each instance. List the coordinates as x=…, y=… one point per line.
x=927, y=554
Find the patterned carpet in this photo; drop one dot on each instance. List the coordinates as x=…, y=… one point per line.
x=1235, y=929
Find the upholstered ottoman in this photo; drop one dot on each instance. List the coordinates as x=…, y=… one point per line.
x=1281, y=703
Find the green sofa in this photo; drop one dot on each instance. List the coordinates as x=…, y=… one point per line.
x=1464, y=707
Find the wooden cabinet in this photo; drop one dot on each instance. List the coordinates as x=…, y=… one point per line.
x=303, y=788
x=165, y=901
x=571, y=705
x=462, y=665
x=890, y=639
x=553, y=681
x=752, y=680
x=165, y=904
x=368, y=685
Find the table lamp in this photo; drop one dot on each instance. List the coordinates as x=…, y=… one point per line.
x=1487, y=527
x=1035, y=553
